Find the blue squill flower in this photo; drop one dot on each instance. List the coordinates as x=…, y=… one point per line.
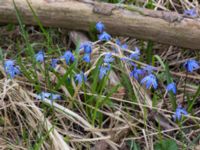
x=123, y=46
x=191, y=65
x=108, y=58
x=171, y=87
x=118, y=42
x=48, y=95
x=179, y=112
x=80, y=77
x=54, y=62
x=125, y=59
x=191, y=12
x=136, y=54
x=9, y=63
x=69, y=57
x=136, y=73
x=149, y=69
x=150, y=80
x=100, y=27
x=39, y=56
x=87, y=46
x=86, y=58
x=103, y=71
x=11, y=69
x=104, y=36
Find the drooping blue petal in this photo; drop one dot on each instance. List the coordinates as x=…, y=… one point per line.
x=100, y=27
x=55, y=96
x=9, y=63
x=123, y=46
x=103, y=71
x=48, y=95
x=80, y=78
x=171, y=87
x=87, y=46
x=136, y=54
x=69, y=57
x=191, y=65
x=118, y=42
x=136, y=73
x=86, y=58
x=179, y=112
x=40, y=56
x=11, y=69
x=108, y=58
x=149, y=69
x=150, y=80
x=54, y=62
x=104, y=36
x=191, y=12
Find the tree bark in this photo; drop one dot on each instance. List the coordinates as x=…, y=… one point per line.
x=164, y=27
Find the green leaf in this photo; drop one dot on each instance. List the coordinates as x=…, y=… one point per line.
x=167, y=144
x=1, y=55
x=133, y=145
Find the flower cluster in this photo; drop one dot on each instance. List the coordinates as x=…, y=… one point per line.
x=87, y=47
x=103, y=36
x=146, y=76
x=68, y=56
x=11, y=69
x=179, y=112
x=105, y=67
x=150, y=79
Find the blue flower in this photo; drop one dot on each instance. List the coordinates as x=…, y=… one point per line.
x=125, y=59
x=54, y=62
x=136, y=54
x=80, y=77
x=118, y=42
x=149, y=69
x=191, y=12
x=179, y=112
x=68, y=56
x=100, y=27
x=150, y=80
x=11, y=69
x=86, y=58
x=103, y=71
x=171, y=87
x=87, y=46
x=9, y=63
x=123, y=46
x=108, y=58
x=104, y=36
x=48, y=95
x=136, y=73
x=191, y=65
x=39, y=56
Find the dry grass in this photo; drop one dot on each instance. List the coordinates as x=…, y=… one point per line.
x=26, y=123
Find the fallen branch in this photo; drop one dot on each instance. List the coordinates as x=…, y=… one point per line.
x=164, y=27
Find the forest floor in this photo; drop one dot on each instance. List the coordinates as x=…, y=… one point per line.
x=107, y=93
